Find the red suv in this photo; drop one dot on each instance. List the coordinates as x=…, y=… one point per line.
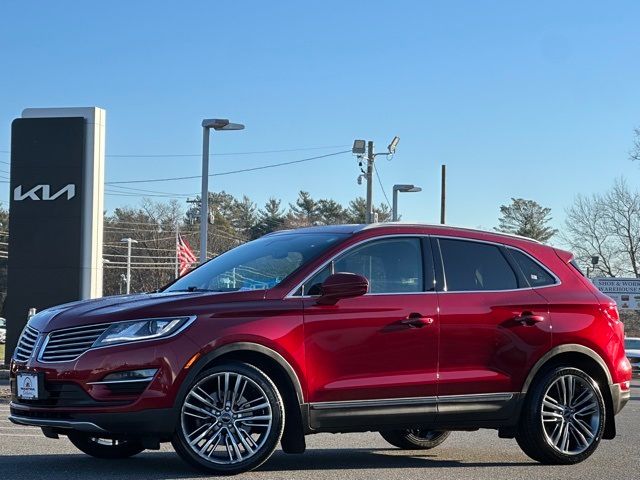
x=409, y=330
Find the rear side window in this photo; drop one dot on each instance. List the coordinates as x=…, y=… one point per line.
x=535, y=274
x=472, y=266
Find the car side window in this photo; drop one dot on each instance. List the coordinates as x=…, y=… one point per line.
x=473, y=266
x=391, y=265
x=535, y=274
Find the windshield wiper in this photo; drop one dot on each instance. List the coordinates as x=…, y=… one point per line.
x=193, y=289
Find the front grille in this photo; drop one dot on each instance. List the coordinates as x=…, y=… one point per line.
x=26, y=344
x=68, y=344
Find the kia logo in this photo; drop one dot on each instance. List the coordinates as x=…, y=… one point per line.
x=45, y=193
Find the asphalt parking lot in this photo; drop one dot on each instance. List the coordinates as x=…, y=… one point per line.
x=26, y=454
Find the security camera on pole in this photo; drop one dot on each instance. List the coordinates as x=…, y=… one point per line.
x=360, y=148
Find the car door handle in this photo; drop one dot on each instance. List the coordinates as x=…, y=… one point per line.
x=416, y=320
x=528, y=318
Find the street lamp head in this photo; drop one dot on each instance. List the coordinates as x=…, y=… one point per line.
x=407, y=188
x=127, y=240
x=221, y=124
x=393, y=145
x=359, y=147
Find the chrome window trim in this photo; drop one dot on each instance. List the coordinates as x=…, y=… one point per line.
x=449, y=237
x=291, y=293
x=190, y=320
x=540, y=264
x=418, y=236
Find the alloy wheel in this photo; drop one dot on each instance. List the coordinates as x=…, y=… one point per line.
x=226, y=418
x=571, y=414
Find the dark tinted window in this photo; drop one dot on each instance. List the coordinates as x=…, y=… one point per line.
x=533, y=272
x=391, y=266
x=475, y=266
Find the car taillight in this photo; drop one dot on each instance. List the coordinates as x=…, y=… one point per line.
x=611, y=312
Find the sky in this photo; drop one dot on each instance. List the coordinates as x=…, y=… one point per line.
x=535, y=100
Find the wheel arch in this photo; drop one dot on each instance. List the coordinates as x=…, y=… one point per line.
x=557, y=355
x=587, y=360
x=281, y=372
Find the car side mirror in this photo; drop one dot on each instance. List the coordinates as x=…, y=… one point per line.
x=342, y=285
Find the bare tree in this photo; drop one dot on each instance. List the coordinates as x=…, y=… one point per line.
x=608, y=226
x=634, y=154
x=587, y=234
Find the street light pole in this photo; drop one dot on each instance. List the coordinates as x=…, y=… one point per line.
x=128, y=241
x=208, y=124
x=401, y=188
x=204, y=195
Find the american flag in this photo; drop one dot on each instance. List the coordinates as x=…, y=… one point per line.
x=185, y=256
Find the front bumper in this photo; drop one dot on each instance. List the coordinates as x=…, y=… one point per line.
x=159, y=423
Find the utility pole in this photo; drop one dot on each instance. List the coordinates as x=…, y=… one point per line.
x=128, y=241
x=443, y=194
x=360, y=149
x=371, y=158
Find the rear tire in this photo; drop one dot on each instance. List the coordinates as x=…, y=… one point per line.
x=415, y=439
x=563, y=418
x=105, y=447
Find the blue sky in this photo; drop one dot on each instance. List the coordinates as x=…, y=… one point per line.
x=535, y=100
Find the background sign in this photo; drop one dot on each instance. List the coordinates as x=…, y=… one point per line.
x=625, y=291
x=55, y=212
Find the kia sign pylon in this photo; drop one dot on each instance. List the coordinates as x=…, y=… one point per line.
x=55, y=213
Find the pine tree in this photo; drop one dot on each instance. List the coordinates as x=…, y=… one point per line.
x=526, y=218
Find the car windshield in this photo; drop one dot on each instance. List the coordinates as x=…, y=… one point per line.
x=632, y=344
x=257, y=265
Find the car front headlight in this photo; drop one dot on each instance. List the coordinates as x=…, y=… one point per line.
x=136, y=330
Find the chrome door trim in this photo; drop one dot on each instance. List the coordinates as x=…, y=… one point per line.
x=413, y=401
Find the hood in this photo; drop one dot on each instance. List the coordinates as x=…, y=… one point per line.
x=137, y=306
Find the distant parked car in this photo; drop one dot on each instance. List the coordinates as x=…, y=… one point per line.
x=632, y=349
x=3, y=330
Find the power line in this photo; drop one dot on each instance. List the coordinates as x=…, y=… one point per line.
x=381, y=186
x=221, y=154
x=225, y=154
x=176, y=196
x=242, y=170
x=150, y=191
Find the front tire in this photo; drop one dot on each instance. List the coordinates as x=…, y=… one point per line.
x=105, y=447
x=231, y=420
x=563, y=418
x=415, y=439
